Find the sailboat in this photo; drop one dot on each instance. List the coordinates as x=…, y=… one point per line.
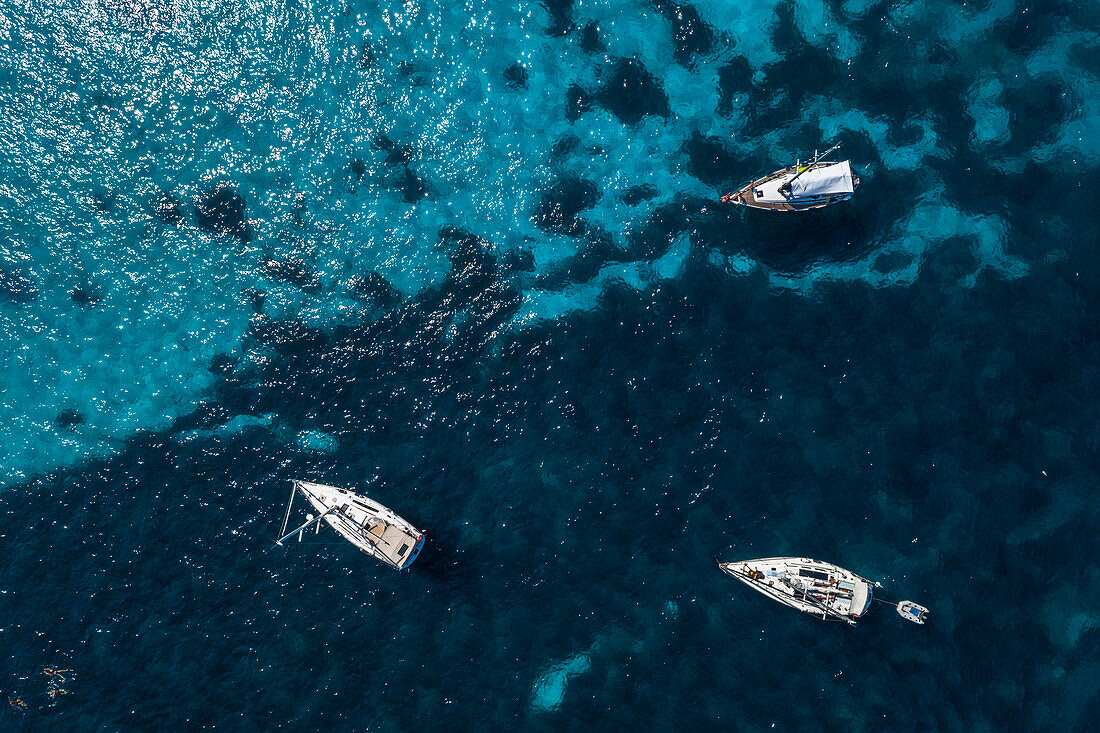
x=814, y=587
x=365, y=523
x=799, y=187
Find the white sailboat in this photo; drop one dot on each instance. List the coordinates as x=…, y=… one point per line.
x=814, y=587
x=799, y=187
x=368, y=525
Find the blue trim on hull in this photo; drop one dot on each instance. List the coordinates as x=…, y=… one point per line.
x=415, y=552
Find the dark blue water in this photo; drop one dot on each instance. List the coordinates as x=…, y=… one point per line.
x=470, y=259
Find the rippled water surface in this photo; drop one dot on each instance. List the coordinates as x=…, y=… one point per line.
x=471, y=259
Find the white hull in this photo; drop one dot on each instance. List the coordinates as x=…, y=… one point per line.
x=368, y=525
x=912, y=612
x=799, y=187
x=813, y=587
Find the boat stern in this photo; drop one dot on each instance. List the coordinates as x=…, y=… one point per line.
x=415, y=551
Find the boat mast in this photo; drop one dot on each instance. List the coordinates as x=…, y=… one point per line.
x=293, y=492
x=318, y=518
x=786, y=187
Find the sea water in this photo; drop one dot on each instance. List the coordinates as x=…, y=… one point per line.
x=470, y=259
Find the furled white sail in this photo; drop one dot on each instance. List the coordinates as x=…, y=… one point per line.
x=828, y=180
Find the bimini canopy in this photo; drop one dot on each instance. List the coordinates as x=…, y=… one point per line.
x=828, y=180
x=861, y=595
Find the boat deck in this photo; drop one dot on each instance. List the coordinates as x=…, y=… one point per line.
x=746, y=195
x=810, y=586
x=368, y=525
x=390, y=541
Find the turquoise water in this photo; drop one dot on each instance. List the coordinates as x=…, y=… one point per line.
x=471, y=259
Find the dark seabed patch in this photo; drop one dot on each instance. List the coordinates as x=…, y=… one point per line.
x=294, y=271
x=85, y=295
x=104, y=200
x=516, y=76
x=561, y=202
x=734, y=80
x=396, y=153
x=518, y=260
x=563, y=148
x=222, y=211
x=367, y=56
x=630, y=92
x=637, y=194
x=577, y=102
x=668, y=221
x=561, y=16
x=791, y=245
x=413, y=188
x=256, y=299
x=709, y=160
x=589, y=36
x=375, y=289
x=357, y=168
x=16, y=286
x=690, y=35
x=168, y=208
x=69, y=418
x=597, y=249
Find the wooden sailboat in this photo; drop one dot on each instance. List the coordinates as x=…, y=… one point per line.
x=799, y=187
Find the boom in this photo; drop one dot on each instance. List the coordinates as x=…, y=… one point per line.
x=786, y=187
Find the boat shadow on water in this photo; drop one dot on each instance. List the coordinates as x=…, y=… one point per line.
x=792, y=242
x=442, y=561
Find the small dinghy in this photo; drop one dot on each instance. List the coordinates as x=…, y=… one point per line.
x=368, y=525
x=799, y=187
x=912, y=612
